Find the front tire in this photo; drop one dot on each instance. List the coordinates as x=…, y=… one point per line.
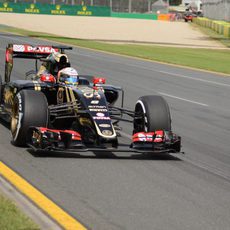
x=30, y=108
x=151, y=114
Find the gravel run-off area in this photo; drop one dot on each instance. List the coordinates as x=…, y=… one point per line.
x=113, y=29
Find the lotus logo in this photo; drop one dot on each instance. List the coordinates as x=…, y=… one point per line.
x=5, y=4
x=58, y=7
x=107, y=133
x=84, y=8
x=32, y=6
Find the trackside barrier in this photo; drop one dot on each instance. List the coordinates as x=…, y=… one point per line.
x=167, y=17
x=75, y=10
x=38, y=8
x=220, y=27
x=172, y=17
x=163, y=17
x=134, y=15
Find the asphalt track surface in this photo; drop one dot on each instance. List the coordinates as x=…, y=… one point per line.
x=133, y=191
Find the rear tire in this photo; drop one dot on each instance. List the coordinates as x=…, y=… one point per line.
x=151, y=114
x=30, y=108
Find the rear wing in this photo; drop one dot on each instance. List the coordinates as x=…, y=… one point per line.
x=28, y=52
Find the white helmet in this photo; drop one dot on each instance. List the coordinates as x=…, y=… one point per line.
x=68, y=76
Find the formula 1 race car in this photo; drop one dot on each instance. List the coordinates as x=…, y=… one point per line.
x=50, y=115
x=189, y=16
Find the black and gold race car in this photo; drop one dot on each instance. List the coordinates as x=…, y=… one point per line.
x=46, y=114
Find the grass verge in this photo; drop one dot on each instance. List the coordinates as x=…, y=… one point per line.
x=212, y=34
x=207, y=59
x=12, y=218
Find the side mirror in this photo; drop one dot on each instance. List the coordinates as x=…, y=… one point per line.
x=48, y=78
x=98, y=80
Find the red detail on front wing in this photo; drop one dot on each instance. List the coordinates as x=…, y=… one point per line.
x=156, y=137
x=75, y=135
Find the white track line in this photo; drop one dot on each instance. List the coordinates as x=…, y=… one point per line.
x=183, y=99
x=192, y=78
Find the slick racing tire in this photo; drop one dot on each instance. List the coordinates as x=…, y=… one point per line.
x=151, y=114
x=30, y=108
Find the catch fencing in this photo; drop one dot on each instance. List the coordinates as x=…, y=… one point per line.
x=216, y=9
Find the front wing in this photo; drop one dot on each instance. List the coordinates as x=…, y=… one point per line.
x=44, y=139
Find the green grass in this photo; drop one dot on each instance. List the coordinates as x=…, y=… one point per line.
x=208, y=59
x=11, y=218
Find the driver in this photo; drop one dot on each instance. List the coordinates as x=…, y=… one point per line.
x=68, y=76
x=53, y=63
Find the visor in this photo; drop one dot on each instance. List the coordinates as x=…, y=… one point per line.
x=71, y=81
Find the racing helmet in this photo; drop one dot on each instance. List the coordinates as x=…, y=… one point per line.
x=68, y=76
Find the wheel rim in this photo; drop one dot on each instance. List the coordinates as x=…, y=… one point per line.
x=14, y=119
